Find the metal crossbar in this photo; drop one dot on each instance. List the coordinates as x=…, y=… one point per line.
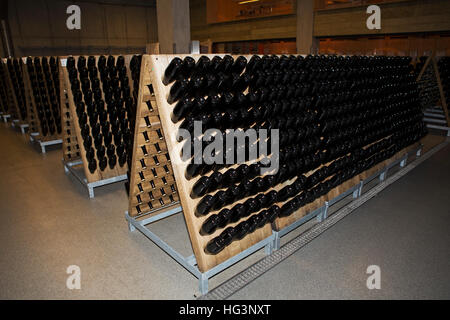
x=43, y=144
x=69, y=168
x=189, y=263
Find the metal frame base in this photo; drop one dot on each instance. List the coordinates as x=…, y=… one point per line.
x=43, y=144
x=270, y=244
x=68, y=168
x=322, y=213
x=22, y=126
x=190, y=263
x=6, y=117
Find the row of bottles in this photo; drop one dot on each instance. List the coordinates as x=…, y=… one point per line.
x=326, y=108
x=444, y=73
x=102, y=96
x=44, y=80
x=4, y=101
x=15, y=73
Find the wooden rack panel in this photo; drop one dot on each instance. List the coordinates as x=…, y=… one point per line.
x=15, y=76
x=70, y=146
x=148, y=191
x=108, y=172
x=32, y=120
x=11, y=97
x=4, y=92
x=41, y=85
x=158, y=65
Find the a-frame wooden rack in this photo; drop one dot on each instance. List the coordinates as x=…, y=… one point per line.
x=4, y=92
x=201, y=264
x=152, y=184
x=10, y=108
x=75, y=157
x=42, y=93
x=15, y=79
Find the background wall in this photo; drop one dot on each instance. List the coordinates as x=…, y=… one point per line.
x=38, y=27
x=281, y=27
x=396, y=17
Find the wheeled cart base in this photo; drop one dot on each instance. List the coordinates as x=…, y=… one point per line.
x=69, y=168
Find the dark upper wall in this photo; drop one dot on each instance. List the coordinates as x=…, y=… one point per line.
x=38, y=27
x=402, y=17
x=254, y=29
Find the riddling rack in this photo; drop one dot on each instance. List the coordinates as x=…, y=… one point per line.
x=41, y=89
x=4, y=96
x=15, y=76
x=10, y=111
x=70, y=146
x=102, y=134
x=342, y=165
x=152, y=184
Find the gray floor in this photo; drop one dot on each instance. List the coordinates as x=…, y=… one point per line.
x=47, y=223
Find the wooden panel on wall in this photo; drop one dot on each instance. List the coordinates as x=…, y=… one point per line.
x=397, y=17
x=225, y=10
x=278, y=27
x=409, y=44
x=286, y=46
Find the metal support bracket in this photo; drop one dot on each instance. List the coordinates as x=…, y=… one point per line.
x=189, y=263
x=6, y=117
x=68, y=168
x=23, y=127
x=43, y=144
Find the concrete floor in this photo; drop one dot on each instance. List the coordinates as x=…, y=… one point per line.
x=47, y=223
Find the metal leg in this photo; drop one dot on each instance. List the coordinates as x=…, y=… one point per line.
x=42, y=148
x=324, y=212
x=268, y=248
x=91, y=191
x=403, y=162
x=66, y=170
x=361, y=184
x=383, y=176
x=419, y=152
x=22, y=129
x=203, y=284
x=276, y=240
x=356, y=193
x=131, y=228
